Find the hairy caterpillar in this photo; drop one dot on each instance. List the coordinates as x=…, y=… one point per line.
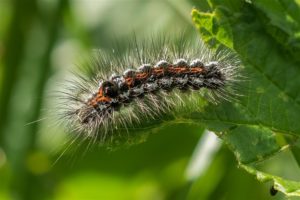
x=147, y=81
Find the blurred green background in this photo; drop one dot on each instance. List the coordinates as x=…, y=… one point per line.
x=40, y=41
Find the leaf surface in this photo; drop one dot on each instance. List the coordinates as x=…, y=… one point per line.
x=266, y=118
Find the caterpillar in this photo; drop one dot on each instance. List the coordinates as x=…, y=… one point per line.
x=149, y=80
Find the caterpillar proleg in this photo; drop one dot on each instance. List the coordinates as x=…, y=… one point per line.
x=149, y=80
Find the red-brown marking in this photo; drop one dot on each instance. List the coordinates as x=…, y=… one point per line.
x=99, y=98
x=141, y=76
x=196, y=70
x=103, y=99
x=129, y=81
x=158, y=71
x=178, y=70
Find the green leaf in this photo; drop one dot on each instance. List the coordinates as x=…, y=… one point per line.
x=281, y=19
x=288, y=187
x=270, y=102
x=266, y=119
